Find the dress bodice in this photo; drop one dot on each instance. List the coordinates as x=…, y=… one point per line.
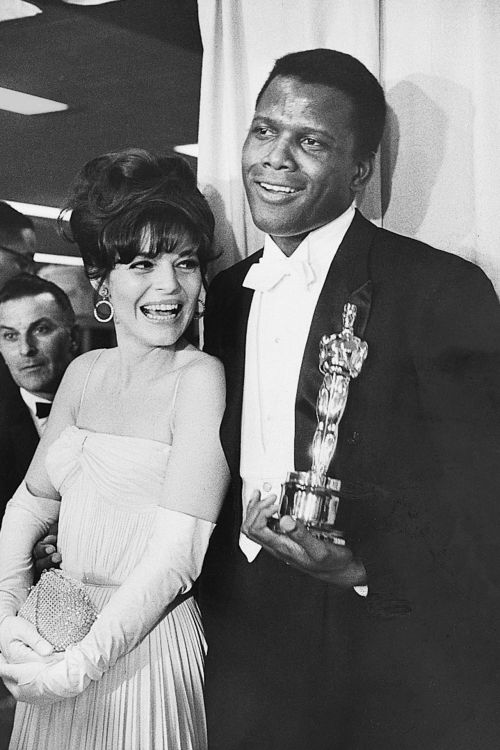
x=110, y=486
x=123, y=468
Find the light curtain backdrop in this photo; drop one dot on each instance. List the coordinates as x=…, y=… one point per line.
x=438, y=177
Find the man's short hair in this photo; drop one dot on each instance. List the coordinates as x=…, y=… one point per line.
x=28, y=285
x=347, y=74
x=12, y=223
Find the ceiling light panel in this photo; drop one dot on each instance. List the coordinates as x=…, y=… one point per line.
x=40, y=212
x=60, y=260
x=27, y=104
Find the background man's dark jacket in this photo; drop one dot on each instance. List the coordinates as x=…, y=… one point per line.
x=18, y=437
x=295, y=663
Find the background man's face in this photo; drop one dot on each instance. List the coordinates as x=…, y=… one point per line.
x=299, y=159
x=36, y=342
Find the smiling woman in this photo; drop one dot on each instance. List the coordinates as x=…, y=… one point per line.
x=132, y=451
x=143, y=229
x=155, y=297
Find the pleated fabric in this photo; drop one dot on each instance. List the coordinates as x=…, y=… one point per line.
x=152, y=699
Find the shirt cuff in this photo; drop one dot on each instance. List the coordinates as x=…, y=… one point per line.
x=361, y=590
x=249, y=548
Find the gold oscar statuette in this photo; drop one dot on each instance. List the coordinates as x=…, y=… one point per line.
x=311, y=496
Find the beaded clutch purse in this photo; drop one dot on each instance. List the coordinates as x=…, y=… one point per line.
x=60, y=609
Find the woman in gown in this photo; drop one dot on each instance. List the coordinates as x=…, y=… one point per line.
x=132, y=468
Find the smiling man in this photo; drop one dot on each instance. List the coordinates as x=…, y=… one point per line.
x=38, y=339
x=390, y=641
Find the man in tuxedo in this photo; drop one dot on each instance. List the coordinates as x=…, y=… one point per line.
x=388, y=642
x=38, y=339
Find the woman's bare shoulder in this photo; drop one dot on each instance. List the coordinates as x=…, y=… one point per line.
x=78, y=370
x=199, y=364
x=80, y=366
x=202, y=379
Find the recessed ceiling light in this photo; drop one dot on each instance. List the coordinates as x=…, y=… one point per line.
x=40, y=212
x=60, y=260
x=27, y=104
x=189, y=149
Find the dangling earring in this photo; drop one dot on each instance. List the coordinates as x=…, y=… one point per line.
x=103, y=291
x=200, y=311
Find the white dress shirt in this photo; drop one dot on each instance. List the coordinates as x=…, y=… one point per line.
x=278, y=325
x=31, y=401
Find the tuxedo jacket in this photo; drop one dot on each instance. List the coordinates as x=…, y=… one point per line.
x=18, y=437
x=418, y=458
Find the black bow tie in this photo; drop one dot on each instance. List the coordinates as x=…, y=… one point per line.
x=43, y=409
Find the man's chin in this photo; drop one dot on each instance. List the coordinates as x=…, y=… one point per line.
x=35, y=384
x=282, y=233
x=273, y=226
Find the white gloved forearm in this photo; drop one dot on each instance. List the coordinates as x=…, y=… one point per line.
x=26, y=520
x=171, y=563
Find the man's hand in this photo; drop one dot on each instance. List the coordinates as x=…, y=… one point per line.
x=21, y=642
x=45, y=554
x=297, y=547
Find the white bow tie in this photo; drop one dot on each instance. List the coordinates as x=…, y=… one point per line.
x=269, y=271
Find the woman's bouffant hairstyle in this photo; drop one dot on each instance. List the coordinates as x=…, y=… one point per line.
x=122, y=200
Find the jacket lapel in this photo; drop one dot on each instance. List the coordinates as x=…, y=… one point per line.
x=23, y=434
x=234, y=361
x=347, y=281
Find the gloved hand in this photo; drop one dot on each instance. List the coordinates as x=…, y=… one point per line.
x=26, y=519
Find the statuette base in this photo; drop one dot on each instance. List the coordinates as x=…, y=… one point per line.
x=313, y=500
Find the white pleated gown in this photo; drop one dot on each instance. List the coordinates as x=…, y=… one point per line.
x=152, y=699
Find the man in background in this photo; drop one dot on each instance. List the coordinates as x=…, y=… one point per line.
x=17, y=248
x=17, y=243
x=389, y=642
x=38, y=339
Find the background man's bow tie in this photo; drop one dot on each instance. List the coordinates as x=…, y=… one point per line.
x=43, y=409
x=268, y=272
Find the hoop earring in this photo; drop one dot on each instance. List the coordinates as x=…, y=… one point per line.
x=201, y=310
x=104, y=301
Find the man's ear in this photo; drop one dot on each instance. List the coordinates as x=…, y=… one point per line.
x=75, y=338
x=363, y=173
x=96, y=283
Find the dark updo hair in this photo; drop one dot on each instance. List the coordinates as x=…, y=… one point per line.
x=121, y=200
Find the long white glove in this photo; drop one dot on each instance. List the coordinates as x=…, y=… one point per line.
x=171, y=563
x=26, y=520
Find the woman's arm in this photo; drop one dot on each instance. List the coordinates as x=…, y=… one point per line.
x=28, y=517
x=63, y=414
x=170, y=564
x=197, y=475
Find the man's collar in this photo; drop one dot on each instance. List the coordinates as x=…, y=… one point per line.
x=320, y=245
x=31, y=400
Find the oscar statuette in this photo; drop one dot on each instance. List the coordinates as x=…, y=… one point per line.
x=311, y=496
